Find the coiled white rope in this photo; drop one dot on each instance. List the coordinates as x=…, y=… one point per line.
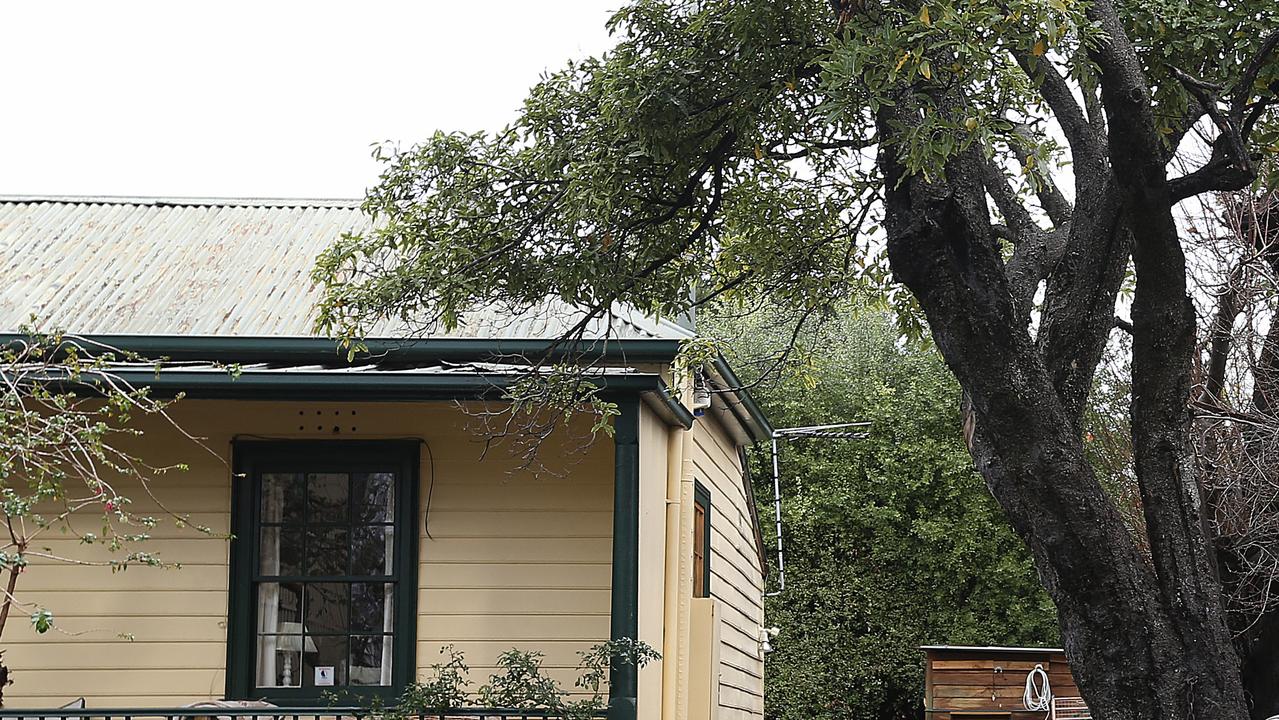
x=1038, y=696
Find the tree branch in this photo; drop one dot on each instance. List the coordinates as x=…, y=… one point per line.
x=1219, y=335
x=1055, y=204
x=1020, y=223
x=1085, y=144
x=777, y=150
x=1163, y=319
x=1229, y=168
x=1243, y=89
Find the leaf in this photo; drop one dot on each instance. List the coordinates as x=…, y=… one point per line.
x=924, y=17
x=42, y=620
x=926, y=70
x=970, y=123
x=901, y=61
x=1039, y=49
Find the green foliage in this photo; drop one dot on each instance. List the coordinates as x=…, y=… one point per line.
x=733, y=153
x=1108, y=435
x=519, y=684
x=42, y=620
x=443, y=689
x=726, y=149
x=64, y=417
x=892, y=542
x=645, y=172
x=599, y=658
x=555, y=396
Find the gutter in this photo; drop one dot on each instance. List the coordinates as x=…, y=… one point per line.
x=754, y=427
x=739, y=401
x=389, y=351
x=377, y=387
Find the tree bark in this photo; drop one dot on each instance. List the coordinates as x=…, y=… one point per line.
x=1206, y=678
x=1146, y=636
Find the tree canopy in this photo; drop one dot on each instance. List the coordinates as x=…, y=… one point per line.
x=892, y=542
x=995, y=168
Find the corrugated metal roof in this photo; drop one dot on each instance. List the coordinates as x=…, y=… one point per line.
x=208, y=266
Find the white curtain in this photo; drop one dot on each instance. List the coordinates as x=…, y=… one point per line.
x=388, y=606
x=269, y=593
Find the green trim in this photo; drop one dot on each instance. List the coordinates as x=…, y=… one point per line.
x=326, y=351
x=389, y=354
x=702, y=496
x=759, y=419
x=239, y=633
x=405, y=352
x=680, y=414
x=624, y=614
x=253, y=456
x=375, y=386
x=748, y=487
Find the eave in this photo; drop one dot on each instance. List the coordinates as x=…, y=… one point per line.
x=400, y=352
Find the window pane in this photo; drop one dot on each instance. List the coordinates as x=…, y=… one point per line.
x=372, y=607
x=374, y=497
x=279, y=608
x=279, y=660
x=370, y=661
x=331, y=652
x=327, y=608
x=325, y=529
x=327, y=497
x=327, y=550
x=700, y=548
x=280, y=551
x=371, y=549
x=281, y=497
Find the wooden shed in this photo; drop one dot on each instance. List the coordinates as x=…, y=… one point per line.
x=976, y=683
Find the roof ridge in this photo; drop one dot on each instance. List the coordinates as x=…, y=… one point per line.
x=162, y=201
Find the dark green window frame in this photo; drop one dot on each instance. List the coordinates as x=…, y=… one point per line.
x=702, y=496
x=251, y=458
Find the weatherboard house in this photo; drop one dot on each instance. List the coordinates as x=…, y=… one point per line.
x=370, y=527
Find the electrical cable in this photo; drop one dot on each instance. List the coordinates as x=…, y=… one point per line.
x=430, y=490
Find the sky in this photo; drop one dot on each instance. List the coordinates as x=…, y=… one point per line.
x=265, y=98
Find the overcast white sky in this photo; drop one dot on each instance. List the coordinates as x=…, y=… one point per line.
x=265, y=98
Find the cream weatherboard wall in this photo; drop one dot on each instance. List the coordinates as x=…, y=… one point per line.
x=653, y=468
x=511, y=559
x=737, y=579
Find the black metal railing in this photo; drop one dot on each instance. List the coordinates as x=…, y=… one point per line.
x=279, y=713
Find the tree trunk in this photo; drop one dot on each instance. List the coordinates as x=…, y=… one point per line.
x=1142, y=641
